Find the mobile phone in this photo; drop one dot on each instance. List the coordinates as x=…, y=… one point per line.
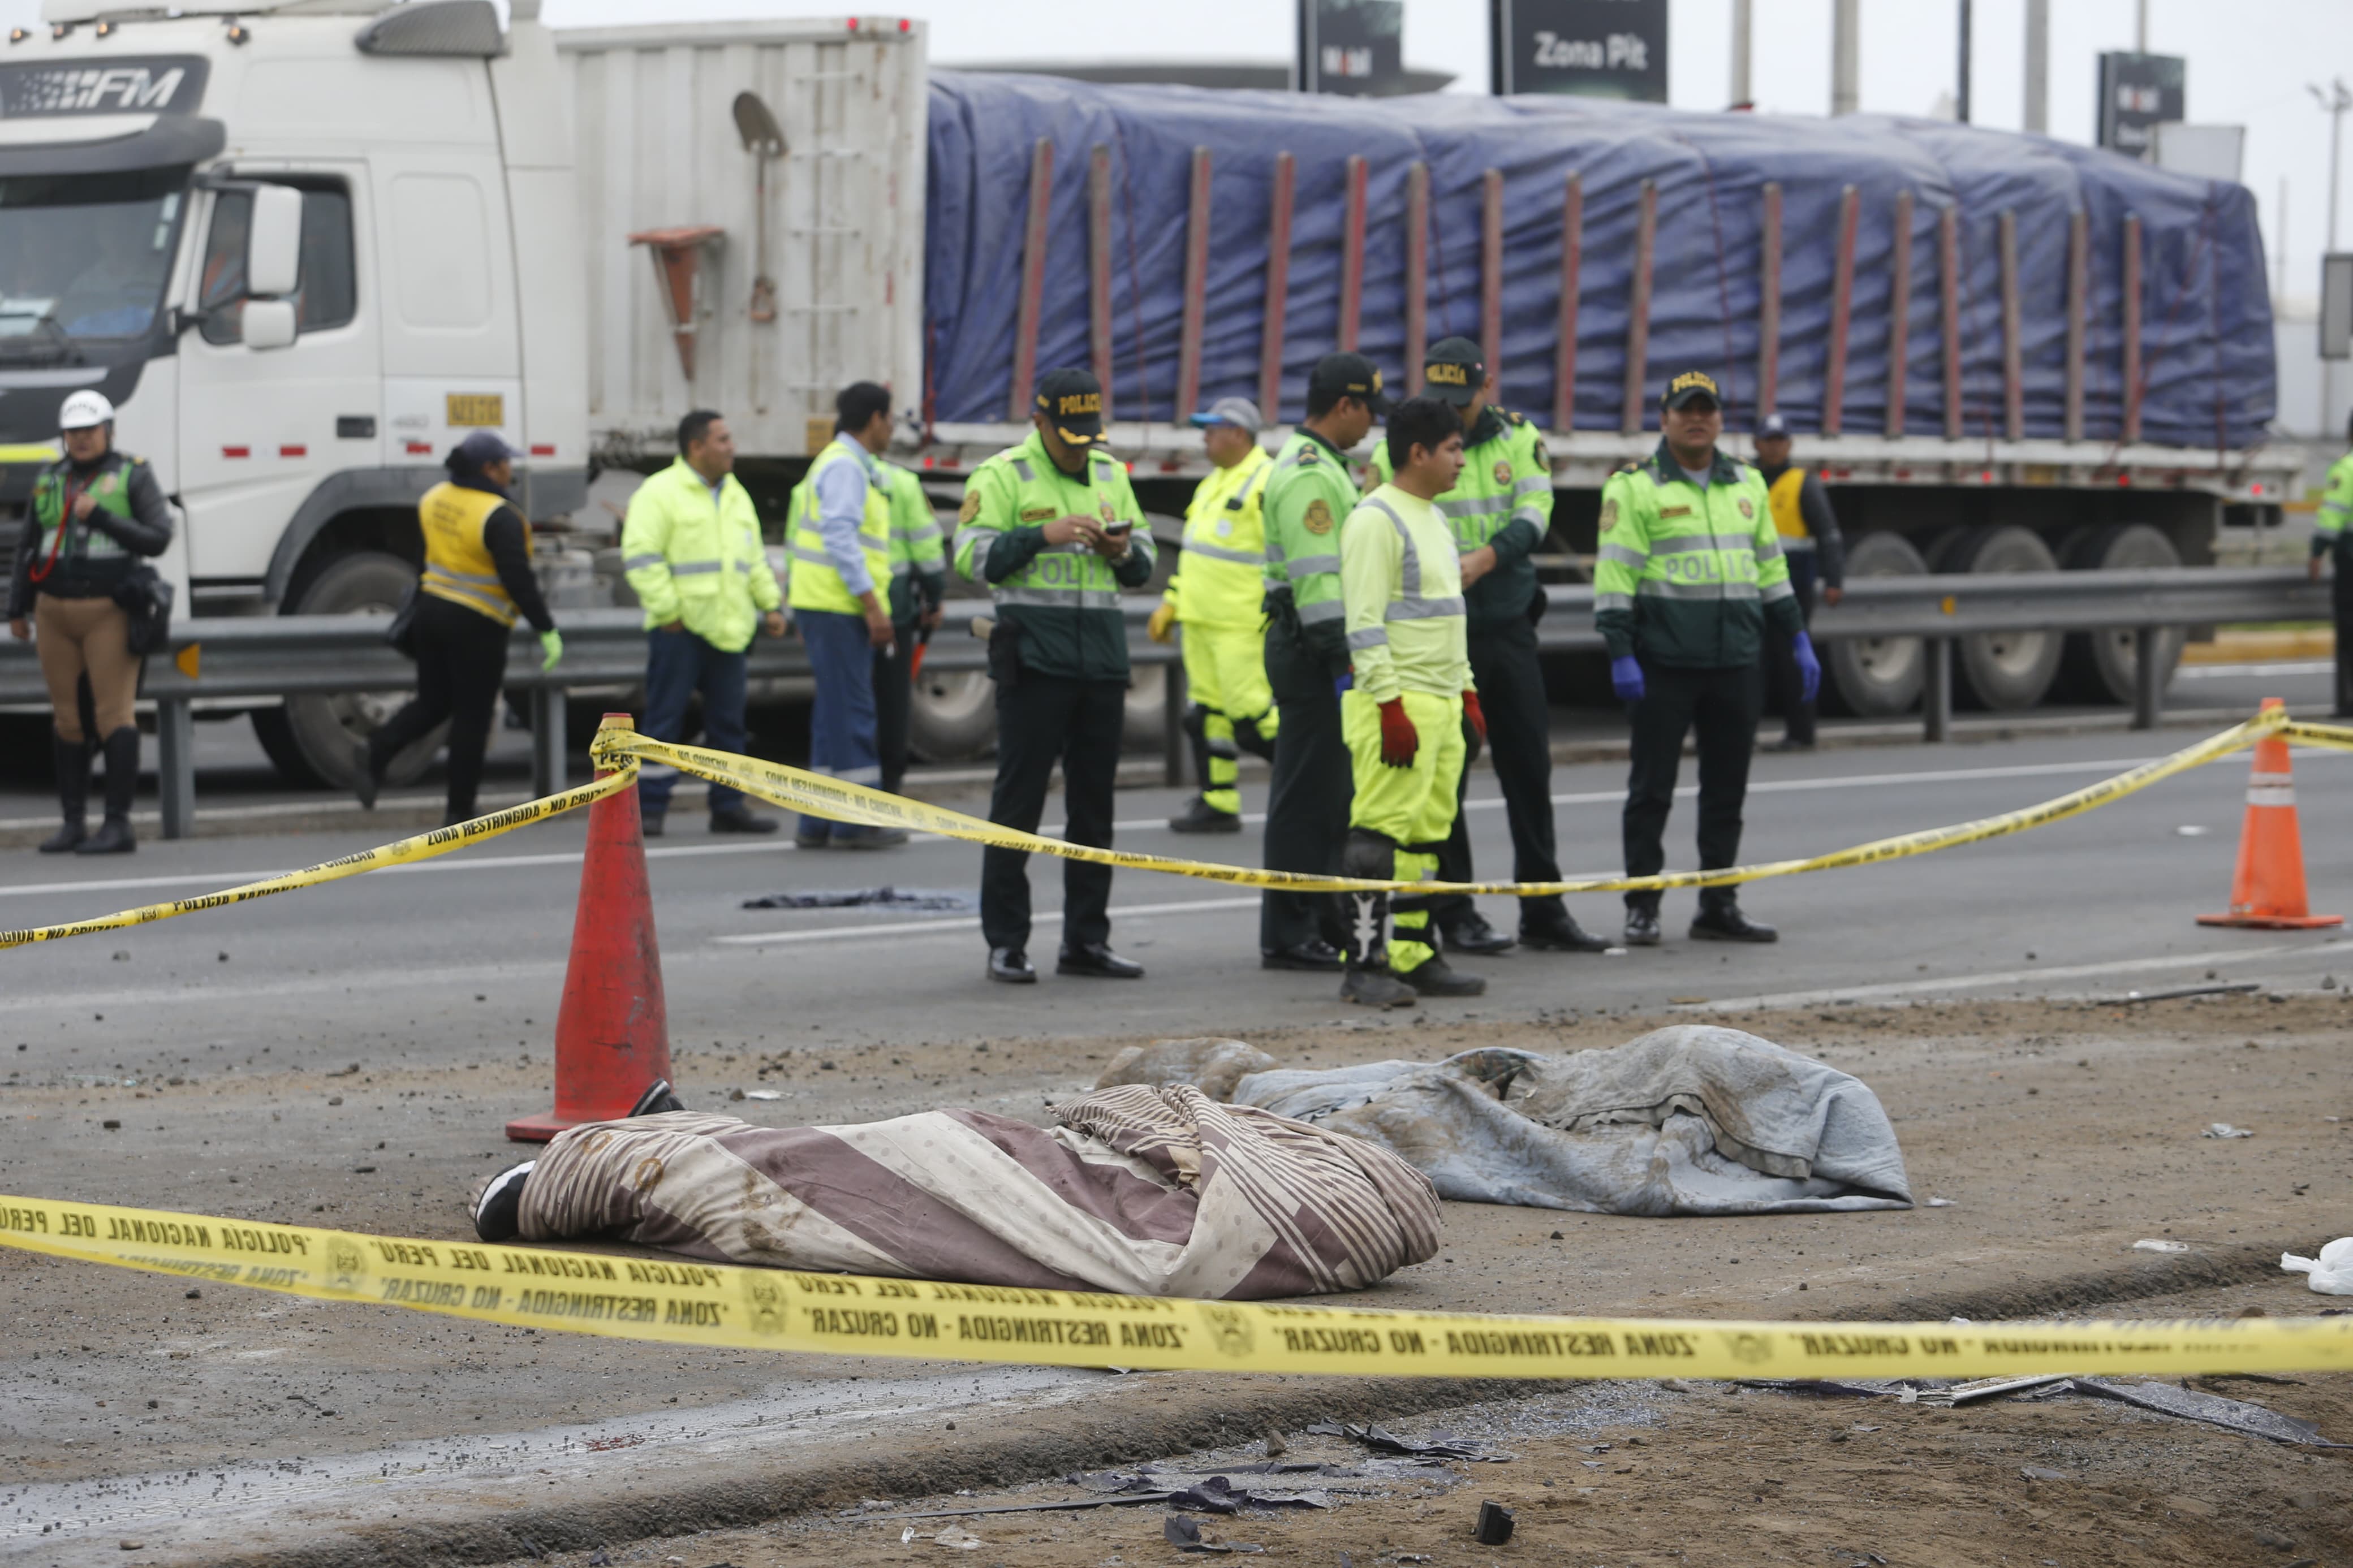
x=1118, y=528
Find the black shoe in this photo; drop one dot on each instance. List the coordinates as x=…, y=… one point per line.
x=363, y=778
x=1377, y=988
x=1557, y=931
x=1430, y=977
x=1097, y=959
x=1200, y=816
x=1471, y=933
x=871, y=838
x=812, y=840
x=498, y=1210
x=113, y=837
x=740, y=821
x=1314, y=954
x=1641, y=928
x=1729, y=924
x=66, y=838
x=650, y=823
x=1012, y=965
x=657, y=1099
x=1786, y=744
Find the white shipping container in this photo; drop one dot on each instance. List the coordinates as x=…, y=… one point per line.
x=839, y=233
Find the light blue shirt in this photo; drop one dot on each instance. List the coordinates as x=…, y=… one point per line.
x=841, y=511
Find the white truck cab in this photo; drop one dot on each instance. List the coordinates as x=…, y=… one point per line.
x=289, y=242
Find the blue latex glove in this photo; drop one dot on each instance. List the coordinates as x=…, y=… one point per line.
x=550, y=644
x=1344, y=683
x=1626, y=677
x=1810, y=668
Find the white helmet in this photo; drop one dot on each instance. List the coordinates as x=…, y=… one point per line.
x=84, y=409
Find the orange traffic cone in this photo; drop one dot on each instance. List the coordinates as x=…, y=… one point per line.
x=2267, y=891
x=612, y=1033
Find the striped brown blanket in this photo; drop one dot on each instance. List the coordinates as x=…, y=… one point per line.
x=1143, y=1190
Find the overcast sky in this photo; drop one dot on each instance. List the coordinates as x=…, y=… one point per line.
x=2248, y=62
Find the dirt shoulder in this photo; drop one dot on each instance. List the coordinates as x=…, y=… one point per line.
x=2059, y=1134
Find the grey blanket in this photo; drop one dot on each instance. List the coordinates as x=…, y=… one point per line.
x=1690, y=1119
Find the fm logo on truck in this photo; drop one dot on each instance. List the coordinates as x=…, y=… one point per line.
x=164, y=84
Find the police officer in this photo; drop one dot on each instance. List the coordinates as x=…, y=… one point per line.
x=1308, y=491
x=1409, y=709
x=919, y=583
x=2330, y=536
x=1499, y=511
x=95, y=513
x=1215, y=595
x=1052, y=527
x=1690, y=583
x=840, y=545
x=1816, y=555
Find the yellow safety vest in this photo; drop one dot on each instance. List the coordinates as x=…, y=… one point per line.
x=458, y=564
x=1789, y=521
x=1220, y=577
x=816, y=584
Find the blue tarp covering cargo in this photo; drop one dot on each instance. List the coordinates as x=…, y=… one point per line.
x=2205, y=335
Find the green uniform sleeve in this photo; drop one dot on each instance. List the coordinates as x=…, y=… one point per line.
x=645, y=553
x=1531, y=517
x=913, y=520
x=1625, y=550
x=989, y=544
x=1370, y=560
x=2329, y=524
x=1781, y=612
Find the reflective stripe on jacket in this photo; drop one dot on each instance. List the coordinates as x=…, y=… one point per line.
x=1309, y=493
x=1688, y=576
x=1221, y=577
x=1402, y=586
x=690, y=560
x=458, y=563
x=816, y=582
x=1503, y=500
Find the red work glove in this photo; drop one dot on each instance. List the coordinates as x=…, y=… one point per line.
x=1399, y=740
x=1476, y=714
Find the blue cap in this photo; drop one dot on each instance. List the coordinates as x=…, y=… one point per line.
x=482, y=448
x=1772, y=427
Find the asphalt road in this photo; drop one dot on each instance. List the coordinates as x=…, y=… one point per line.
x=390, y=965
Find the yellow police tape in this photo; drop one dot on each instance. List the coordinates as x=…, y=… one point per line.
x=840, y=801
x=424, y=846
x=678, y=1301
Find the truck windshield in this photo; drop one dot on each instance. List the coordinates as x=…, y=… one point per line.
x=83, y=261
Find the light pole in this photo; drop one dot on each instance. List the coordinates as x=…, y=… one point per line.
x=2336, y=100
x=1961, y=79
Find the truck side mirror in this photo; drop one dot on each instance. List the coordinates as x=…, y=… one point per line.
x=273, y=246
x=268, y=324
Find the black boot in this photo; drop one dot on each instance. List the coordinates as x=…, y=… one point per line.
x=1196, y=737
x=114, y=836
x=71, y=760
x=1368, y=981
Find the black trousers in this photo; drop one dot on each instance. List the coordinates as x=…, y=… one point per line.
x=461, y=657
x=2341, y=597
x=894, y=701
x=1788, y=686
x=1722, y=706
x=1041, y=719
x=1307, y=802
x=1519, y=748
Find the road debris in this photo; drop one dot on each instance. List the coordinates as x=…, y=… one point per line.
x=1442, y=1445
x=1494, y=1524
x=915, y=900
x=1186, y=1535
x=2224, y=1129
x=2237, y=1414
x=2174, y=994
x=2157, y=1243
x=954, y=1536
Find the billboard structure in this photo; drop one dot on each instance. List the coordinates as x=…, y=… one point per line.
x=1355, y=47
x=1596, y=49
x=2139, y=93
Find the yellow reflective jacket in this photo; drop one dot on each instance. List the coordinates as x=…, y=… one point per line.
x=690, y=560
x=1402, y=583
x=1221, y=576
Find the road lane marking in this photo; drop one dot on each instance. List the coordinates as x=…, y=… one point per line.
x=2001, y=977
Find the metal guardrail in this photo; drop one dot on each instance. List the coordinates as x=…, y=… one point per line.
x=266, y=657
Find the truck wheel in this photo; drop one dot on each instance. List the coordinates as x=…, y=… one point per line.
x=1877, y=678
x=2004, y=671
x=2099, y=666
x=953, y=717
x=309, y=739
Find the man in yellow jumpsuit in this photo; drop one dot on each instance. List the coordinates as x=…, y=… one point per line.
x=1408, y=697
x=1215, y=596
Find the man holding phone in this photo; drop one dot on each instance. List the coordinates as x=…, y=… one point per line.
x=1054, y=529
